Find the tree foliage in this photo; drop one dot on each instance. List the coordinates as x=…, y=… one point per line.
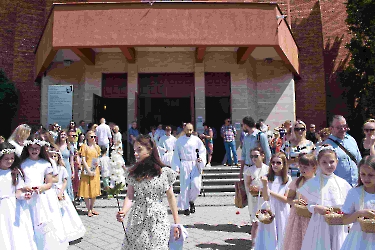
x=359, y=75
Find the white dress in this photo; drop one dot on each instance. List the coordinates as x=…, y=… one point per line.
x=48, y=228
x=356, y=238
x=271, y=236
x=15, y=223
x=166, y=147
x=185, y=160
x=73, y=226
x=319, y=235
x=254, y=202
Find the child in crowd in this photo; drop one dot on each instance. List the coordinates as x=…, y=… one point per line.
x=322, y=192
x=38, y=178
x=104, y=163
x=15, y=225
x=73, y=226
x=252, y=176
x=275, y=188
x=360, y=202
x=297, y=225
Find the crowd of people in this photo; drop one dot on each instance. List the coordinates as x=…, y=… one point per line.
x=45, y=173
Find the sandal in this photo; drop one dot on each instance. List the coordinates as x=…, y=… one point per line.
x=94, y=212
x=90, y=214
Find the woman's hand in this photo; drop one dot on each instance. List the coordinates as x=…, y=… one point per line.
x=322, y=210
x=254, y=188
x=27, y=189
x=120, y=216
x=91, y=173
x=264, y=180
x=176, y=233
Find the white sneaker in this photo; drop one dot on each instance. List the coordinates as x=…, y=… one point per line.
x=208, y=165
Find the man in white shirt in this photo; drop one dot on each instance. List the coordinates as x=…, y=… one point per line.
x=186, y=161
x=166, y=146
x=103, y=132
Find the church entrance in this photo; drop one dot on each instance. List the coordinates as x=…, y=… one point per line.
x=165, y=98
x=218, y=108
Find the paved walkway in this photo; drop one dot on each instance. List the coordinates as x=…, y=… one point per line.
x=215, y=225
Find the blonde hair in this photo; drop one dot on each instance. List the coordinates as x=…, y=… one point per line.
x=294, y=125
x=22, y=132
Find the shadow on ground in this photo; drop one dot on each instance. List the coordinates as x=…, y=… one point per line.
x=221, y=227
x=233, y=244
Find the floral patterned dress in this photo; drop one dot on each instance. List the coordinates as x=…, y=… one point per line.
x=148, y=226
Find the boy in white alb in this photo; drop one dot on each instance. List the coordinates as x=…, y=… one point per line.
x=166, y=146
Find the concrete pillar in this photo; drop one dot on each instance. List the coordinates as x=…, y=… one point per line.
x=132, y=91
x=199, y=86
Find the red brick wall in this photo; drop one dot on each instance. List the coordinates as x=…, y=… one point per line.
x=310, y=89
x=335, y=36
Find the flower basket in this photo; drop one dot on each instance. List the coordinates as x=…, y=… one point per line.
x=302, y=211
x=265, y=216
x=367, y=225
x=334, y=217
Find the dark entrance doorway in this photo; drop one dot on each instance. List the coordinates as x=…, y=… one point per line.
x=165, y=98
x=218, y=108
x=166, y=111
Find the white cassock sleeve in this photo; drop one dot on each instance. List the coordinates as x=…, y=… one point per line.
x=176, y=159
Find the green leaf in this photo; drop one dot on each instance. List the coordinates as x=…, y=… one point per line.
x=116, y=189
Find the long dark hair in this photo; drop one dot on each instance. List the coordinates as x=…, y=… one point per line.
x=15, y=168
x=149, y=167
x=368, y=160
x=43, y=151
x=284, y=171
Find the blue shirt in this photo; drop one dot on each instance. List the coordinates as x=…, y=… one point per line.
x=346, y=168
x=133, y=132
x=250, y=141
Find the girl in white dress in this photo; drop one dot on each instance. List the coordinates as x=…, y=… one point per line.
x=252, y=176
x=38, y=179
x=323, y=191
x=275, y=190
x=15, y=224
x=73, y=226
x=360, y=202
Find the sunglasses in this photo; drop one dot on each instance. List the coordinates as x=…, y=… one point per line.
x=254, y=156
x=276, y=162
x=93, y=136
x=369, y=129
x=73, y=135
x=299, y=129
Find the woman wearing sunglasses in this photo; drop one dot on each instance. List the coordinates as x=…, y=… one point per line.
x=367, y=146
x=89, y=186
x=296, y=145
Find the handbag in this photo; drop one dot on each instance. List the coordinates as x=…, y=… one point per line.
x=240, y=198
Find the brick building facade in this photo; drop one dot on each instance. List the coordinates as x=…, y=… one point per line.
x=318, y=28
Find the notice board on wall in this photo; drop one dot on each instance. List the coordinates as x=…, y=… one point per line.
x=60, y=104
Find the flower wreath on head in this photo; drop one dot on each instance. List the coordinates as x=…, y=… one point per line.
x=36, y=141
x=56, y=152
x=7, y=151
x=326, y=147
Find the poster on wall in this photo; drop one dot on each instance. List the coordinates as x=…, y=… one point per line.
x=199, y=125
x=60, y=104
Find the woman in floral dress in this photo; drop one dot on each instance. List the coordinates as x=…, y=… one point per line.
x=148, y=226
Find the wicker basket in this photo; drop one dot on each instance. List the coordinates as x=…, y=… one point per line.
x=367, y=225
x=265, y=217
x=334, y=217
x=302, y=211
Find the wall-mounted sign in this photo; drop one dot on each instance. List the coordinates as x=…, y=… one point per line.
x=60, y=104
x=199, y=125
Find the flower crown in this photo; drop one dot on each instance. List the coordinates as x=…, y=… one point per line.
x=7, y=151
x=36, y=141
x=326, y=147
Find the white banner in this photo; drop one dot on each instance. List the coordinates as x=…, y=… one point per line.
x=60, y=104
